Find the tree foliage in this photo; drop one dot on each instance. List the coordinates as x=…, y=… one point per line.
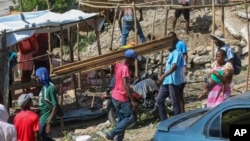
x=55, y=5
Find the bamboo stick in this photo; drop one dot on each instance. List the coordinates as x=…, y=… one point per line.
x=61, y=62
x=246, y=8
x=166, y=21
x=112, y=33
x=135, y=22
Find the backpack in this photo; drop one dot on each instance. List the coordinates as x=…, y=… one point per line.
x=236, y=63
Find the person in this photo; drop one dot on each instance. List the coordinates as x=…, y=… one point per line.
x=171, y=82
x=182, y=47
x=42, y=43
x=215, y=96
x=26, y=121
x=7, y=131
x=48, y=102
x=122, y=99
x=185, y=12
x=26, y=48
x=12, y=64
x=219, y=41
x=127, y=24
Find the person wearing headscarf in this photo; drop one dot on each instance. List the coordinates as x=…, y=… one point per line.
x=48, y=102
x=26, y=121
x=12, y=64
x=7, y=131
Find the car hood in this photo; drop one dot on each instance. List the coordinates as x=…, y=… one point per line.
x=188, y=117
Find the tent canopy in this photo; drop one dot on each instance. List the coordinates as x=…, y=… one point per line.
x=21, y=26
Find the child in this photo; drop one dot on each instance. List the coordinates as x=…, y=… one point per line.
x=215, y=78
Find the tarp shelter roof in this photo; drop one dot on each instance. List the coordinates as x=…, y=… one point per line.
x=23, y=25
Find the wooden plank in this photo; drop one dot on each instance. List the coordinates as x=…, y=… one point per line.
x=4, y=71
x=109, y=58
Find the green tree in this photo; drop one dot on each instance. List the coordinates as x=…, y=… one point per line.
x=55, y=5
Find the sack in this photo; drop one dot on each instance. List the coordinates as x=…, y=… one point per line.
x=236, y=64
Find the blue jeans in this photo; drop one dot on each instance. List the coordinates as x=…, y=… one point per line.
x=175, y=95
x=43, y=133
x=127, y=26
x=125, y=118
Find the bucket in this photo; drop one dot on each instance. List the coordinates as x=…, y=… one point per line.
x=84, y=138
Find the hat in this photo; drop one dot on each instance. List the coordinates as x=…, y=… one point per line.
x=24, y=98
x=130, y=53
x=218, y=35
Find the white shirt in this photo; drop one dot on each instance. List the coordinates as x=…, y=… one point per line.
x=7, y=132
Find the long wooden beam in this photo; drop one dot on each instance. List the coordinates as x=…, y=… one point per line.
x=110, y=58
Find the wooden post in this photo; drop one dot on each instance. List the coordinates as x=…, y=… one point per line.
x=213, y=28
x=222, y=20
x=248, y=38
x=112, y=33
x=166, y=21
x=49, y=52
x=71, y=51
x=78, y=56
x=97, y=37
x=61, y=61
x=4, y=71
x=48, y=4
x=135, y=23
x=153, y=23
x=136, y=40
x=21, y=5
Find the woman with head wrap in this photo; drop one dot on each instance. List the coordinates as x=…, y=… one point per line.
x=47, y=101
x=7, y=131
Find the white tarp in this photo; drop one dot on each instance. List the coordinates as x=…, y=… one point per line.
x=24, y=25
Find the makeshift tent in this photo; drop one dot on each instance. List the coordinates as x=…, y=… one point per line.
x=15, y=28
x=21, y=26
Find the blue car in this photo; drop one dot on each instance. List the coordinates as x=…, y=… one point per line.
x=206, y=124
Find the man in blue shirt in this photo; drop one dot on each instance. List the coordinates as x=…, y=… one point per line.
x=171, y=82
x=182, y=47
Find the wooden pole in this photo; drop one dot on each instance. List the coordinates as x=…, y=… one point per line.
x=4, y=71
x=61, y=61
x=112, y=33
x=49, y=52
x=213, y=28
x=222, y=20
x=21, y=5
x=166, y=21
x=97, y=37
x=135, y=23
x=48, y=4
x=153, y=23
x=78, y=56
x=71, y=51
x=136, y=40
x=246, y=8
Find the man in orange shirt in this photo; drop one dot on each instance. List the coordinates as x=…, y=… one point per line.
x=26, y=121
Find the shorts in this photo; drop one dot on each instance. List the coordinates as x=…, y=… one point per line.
x=185, y=13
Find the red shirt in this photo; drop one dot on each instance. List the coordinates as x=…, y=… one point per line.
x=119, y=92
x=26, y=123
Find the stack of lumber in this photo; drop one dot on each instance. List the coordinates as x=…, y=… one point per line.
x=101, y=61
